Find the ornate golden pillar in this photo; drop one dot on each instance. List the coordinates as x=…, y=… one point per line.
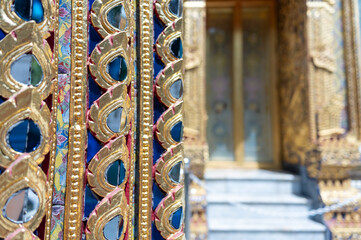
x=195, y=116
x=320, y=99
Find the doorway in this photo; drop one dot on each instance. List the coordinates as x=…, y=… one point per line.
x=242, y=128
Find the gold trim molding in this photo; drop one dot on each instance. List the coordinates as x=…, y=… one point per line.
x=77, y=121
x=145, y=118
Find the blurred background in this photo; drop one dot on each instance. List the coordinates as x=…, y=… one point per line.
x=272, y=131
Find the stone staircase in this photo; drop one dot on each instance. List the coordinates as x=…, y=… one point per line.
x=263, y=190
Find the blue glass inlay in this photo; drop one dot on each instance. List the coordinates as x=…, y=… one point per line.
x=176, y=89
x=38, y=11
x=2, y=100
x=157, y=150
x=94, y=91
x=113, y=229
x=94, y=38
x=27, y=70
x=117, y=69
x=158, y=195
x=90, y=201
x=115, y=173
x=93, y=146
x=176, y=48
x=29, y=10
x=24, y=136
x=158, y=27
x=158, y=109
x=176, y=7
x=117, y=17
x=176, y=218
x=155, y=233
x=2, y=34
x=177, y=131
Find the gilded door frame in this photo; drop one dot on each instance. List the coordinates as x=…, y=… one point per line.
x=237, y=83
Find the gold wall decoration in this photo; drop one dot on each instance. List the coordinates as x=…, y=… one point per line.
x=195, y=117
x=10, y=20
x=164, y=165
x=23, y=173
x=77, y=121
x=164, y=81
x=106, y=52
x=145, y=118
x=113, y=205
x=168, y=128
x=28, y=101
x=293, y=81
x=99, y=16
x=24, y=105
x=118, y=94
x=171, y=203
x=326, y=96
x=352, y=47
x=172, y=32
x=24, y=39
x=165, y=124
x=113, y=99
x=110, y=153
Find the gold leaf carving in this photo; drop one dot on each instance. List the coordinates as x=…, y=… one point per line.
x=10, y=20
x=164, y=81
x=165, y=164
x=164, y=125
x=112, y=205
x=113, y=151
x=21, y=174
x=106, y=51
x=25, y=104
x=26, y=38
x=115, y=97
x=171, y=203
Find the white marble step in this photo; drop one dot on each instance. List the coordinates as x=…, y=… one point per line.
x=219, y=206
x=262, y=182
x=265, y=229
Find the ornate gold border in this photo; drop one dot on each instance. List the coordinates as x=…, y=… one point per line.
x=145, y=118
x=77, y=121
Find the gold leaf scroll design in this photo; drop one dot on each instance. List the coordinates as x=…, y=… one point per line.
x=164, y=125
x=162, y=46
x=106, y=51
x=21, y=174
x=164, y=81
x=21, y=234
x=10, y=20
x=171, y=203
x=113, y=151
x=163, y=12
x=114, y=98
x=22, y=40
x=112, y=205
x=99, y=16
x=163, y=166
x=26, y=104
